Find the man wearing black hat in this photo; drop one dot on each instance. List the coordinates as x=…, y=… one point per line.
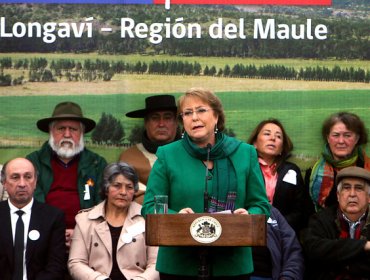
x=160, y=125
x=69, y=174
x=336, y=241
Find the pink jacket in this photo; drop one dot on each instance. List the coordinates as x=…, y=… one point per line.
x=90, y=257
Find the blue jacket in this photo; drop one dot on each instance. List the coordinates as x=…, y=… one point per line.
x=286, y=252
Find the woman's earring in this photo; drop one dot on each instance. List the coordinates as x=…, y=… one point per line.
x=216, y=129
x=182, y=134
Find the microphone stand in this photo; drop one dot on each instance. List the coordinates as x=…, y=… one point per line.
x=204, y=266
x=206, y=198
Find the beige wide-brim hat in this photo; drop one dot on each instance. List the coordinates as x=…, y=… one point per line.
x=66, y=111
x=353, y=172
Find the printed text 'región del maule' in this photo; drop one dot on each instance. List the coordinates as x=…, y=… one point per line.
x=156, y=32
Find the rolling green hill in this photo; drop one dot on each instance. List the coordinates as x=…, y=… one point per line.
x=302, y=112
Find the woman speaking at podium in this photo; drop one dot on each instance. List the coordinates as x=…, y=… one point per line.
x=206, y=171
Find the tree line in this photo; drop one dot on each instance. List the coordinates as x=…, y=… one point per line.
x=40, y=70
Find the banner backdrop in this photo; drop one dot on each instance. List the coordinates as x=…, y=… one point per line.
x=285, y=60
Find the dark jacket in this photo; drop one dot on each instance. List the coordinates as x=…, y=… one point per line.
x=90, y=166
x=291, y=198
x=45, y=257
x=327, y=255
x=285, y=250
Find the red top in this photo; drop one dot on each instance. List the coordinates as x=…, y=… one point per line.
x=63, y=192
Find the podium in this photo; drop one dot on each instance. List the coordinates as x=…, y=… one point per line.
x=174, y=230
x=205, y=230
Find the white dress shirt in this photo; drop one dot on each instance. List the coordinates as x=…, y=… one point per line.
x=26, y=217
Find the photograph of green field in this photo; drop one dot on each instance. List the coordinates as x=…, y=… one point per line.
x=300, y=82
x=302, y=112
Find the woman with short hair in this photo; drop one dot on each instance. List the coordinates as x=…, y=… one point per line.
x=109, y=239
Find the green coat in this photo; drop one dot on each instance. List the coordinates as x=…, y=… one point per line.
x=90, y=165
x=182, y=178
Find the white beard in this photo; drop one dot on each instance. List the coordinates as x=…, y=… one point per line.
x=66, y=151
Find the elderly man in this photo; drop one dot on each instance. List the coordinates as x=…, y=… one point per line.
x=337, y=239
x=31, y=233
x=70, y=175
x=160, y=128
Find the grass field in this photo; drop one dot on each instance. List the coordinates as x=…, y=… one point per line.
x=300, y=105
x=302, y=112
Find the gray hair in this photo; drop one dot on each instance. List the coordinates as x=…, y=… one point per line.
x=111, y=171
x=340, y=185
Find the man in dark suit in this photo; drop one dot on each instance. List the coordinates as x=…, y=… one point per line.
x=43, y=228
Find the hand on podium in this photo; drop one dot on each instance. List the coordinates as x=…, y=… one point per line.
x=241, y=211
x=237, y=211
x=186, y=211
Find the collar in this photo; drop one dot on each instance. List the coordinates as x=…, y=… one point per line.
x=99, y=211
x=351, y=222
x=150, y=146
x=26, y=209
x=352, y=226
x=62, y=163
x=264, y=163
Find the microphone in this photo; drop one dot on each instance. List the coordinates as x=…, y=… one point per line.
x=206, y=198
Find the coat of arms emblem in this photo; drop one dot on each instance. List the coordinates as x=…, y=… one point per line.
x=205, y=229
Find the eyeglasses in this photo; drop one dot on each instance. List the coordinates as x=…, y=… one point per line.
x=199, y=112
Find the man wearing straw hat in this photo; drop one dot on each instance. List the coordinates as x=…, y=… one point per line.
x=337, y=242
x=69, y=174
x=160, y=125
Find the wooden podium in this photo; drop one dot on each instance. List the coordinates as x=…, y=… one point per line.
x=218, y=230
x=174, y=230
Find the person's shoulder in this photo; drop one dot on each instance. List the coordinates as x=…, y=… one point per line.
x=285, y=166
x=85, y=216
x=3, y=204
x=171, y=146
x=136, y=207
x=275, y=214
x=49, y=210
x=45, y=148
x=133, y=153
x=90, y=155
x=326, y=215
x=290, y=164
x=92, y=213
x=130, y=150
x=245, y=147
x=84, y=212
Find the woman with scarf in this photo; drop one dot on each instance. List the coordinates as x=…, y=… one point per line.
x=234, y=183
x=345, y=136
